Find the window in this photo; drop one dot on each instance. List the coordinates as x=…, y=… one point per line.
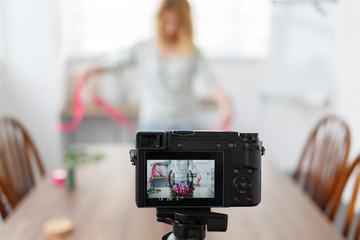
x=226, y=28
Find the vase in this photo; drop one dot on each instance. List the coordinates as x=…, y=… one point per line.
x=70, y=181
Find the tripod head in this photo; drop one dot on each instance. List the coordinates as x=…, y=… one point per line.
x=189, y=223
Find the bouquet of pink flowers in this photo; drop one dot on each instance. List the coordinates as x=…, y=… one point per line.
x=182, y=190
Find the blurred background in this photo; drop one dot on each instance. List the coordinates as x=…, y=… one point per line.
x=284, y=64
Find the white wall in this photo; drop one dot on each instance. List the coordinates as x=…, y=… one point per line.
x=30, y=90
x=2, y=44
x=302, y=39
x=283, y=125
x=347, y=74
x=347, y=79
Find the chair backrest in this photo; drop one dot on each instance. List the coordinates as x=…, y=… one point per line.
x=323, y=159
x=19, y=161
x=353, y=170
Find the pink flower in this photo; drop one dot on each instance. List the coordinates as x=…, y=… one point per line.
x=181, y=189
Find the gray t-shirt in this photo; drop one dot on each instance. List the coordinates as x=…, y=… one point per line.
x=168, y=99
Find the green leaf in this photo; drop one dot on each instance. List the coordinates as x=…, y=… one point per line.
x=75, y=156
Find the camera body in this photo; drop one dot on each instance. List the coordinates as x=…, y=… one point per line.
x=225, y=164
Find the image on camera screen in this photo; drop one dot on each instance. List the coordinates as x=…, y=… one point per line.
x=167, y=179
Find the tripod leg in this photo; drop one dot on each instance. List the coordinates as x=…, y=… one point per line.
x=188, y=231
x=171, y=236
x=166, y=236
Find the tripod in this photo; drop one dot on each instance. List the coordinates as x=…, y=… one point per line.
x=189, y=223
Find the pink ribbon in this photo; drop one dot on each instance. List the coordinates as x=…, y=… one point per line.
x=78, y=111
x=113, y=112
x=222, y=127
x=153, y=172
x=99, y=101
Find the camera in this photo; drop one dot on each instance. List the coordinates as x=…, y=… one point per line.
x=197, y=169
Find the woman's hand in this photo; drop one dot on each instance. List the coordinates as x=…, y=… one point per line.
x=226, y=116
x=224, y=105
x=198, y=175
x=83, y=73
x=155, y=163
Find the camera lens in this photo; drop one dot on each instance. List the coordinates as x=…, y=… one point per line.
x=149, y=141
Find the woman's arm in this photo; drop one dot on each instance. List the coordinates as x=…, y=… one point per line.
x=112, y=62
x=163, y=163
x=156, y=164
x=197, y=173
x=195, y=169
x=204, y=73
x=223, y=104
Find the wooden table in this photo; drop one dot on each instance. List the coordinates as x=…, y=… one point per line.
x=103, y=207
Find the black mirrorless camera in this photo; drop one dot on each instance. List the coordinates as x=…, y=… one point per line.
x=197, y=169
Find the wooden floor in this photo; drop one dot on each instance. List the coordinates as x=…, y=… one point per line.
x=103, y=207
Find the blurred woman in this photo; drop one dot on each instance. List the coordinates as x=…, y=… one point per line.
x=168, y=66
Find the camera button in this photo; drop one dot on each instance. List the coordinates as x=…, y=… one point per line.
x=230, y=145
x=243, y=184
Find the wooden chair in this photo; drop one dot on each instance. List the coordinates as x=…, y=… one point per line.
x=19, y=162
x=354, y=168
x=323, y=159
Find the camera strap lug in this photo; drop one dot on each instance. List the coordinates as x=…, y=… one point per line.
x=132, y=154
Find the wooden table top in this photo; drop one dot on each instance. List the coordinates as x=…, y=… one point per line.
x=103, y=207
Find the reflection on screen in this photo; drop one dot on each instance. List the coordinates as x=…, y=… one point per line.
x=168, y=179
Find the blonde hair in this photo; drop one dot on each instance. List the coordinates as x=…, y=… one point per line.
x=185, y=33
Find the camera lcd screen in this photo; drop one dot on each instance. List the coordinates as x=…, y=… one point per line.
x=177, y=178
x=183, y=179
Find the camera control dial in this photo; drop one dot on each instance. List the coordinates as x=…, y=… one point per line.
x=242, y=184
